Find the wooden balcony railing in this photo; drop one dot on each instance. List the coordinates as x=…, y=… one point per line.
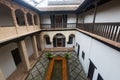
x=107, y=30
x=54, y=26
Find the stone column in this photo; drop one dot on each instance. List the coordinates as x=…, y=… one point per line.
x=33, y=22
x=2, y=75
x=38, y=20
x=34, y=42
x=24, y=55
x=26, y=21
x=14, y=19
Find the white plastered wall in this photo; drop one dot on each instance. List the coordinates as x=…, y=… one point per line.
x=108, y=12
x=45, y=19
x=7, y=63
x=105, y=58
x=71, y=18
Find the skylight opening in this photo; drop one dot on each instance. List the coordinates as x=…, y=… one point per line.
x=54, y=5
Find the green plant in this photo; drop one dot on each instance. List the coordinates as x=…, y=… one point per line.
x=49, y=55
x=67, y=55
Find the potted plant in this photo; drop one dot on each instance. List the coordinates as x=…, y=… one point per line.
x=67, y=55
x=49, y=55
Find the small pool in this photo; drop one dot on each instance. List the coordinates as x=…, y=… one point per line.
x=57, y=69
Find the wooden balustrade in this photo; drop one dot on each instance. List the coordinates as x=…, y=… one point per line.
x=107, y=30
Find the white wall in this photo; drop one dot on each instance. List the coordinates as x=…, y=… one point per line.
x=7, y=64
x=85, y=45
x=109, y=12
x=106, y=13
x=89, y=16
x=71, y=18
x=105, y=58
x=80, y=18
x=45, y=19
x=29, y=46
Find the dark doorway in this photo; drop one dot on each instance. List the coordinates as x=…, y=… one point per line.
x=99, y=77
x=16, y=56
x=59, y=40
x=58, y=21
x=78, y=50
x=91, y=71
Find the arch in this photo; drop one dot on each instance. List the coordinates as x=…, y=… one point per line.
x=59, y=34
x=29, y=18
x=35, y=20
x=20, y=17
x=71, y=39
x=5, y=16
x=47, y=39
x=59, y=40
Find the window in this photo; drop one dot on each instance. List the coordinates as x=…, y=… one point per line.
x=47, y=40
x=35, y=20
x=76, y=44
x=29, y=19
x=70, y=40
x=20, y=17
x=83, y=55
x=6, y=19
x=99, y=77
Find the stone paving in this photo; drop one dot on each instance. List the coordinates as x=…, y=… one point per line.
x=75, y=70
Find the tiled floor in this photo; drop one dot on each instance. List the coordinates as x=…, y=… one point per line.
x=75, y=70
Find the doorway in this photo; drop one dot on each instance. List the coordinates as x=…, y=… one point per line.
x=59, y=40
x=16, y=56
x=91, y=70
x=58, y=21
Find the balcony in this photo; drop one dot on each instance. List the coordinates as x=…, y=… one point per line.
x=58, y=26
x=107, y=32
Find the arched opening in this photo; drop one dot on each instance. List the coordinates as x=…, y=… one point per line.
x=35, y=20
x=59, y=40
x=6, y=19
x=29, y=19
x=47, y=39
x=71, y=39
x=20, y=17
